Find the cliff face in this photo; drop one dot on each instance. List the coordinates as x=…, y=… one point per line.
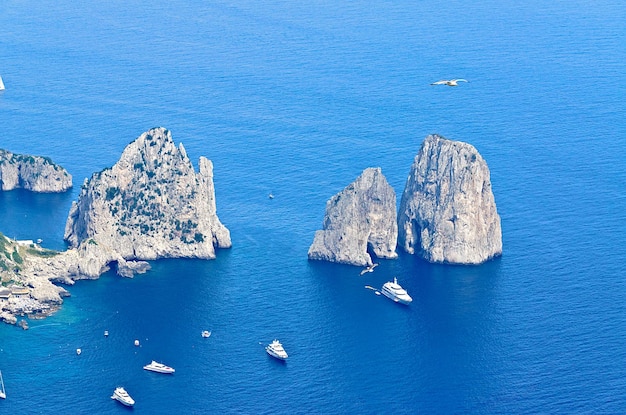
x=38, y=174
x=151, y=204
x=448, y=211
x=360, y=216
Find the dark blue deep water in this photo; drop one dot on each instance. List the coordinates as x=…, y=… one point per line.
x=297, y=99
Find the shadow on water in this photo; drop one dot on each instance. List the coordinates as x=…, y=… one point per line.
x=448, y=335
x=457, y=328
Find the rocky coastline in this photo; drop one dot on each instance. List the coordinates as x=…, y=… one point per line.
x=151, y=204
x=35, y=173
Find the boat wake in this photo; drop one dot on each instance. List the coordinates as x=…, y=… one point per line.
x=45, y=325
x=369, y=287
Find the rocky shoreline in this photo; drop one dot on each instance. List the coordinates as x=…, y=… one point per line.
x=152, y=204
x=35, y=173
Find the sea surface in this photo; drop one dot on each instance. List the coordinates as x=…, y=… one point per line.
x=297, y=99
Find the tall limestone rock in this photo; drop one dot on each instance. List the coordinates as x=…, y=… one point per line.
x=151, y=204
x=35, y=173
x=448, y=211
x=360, y=216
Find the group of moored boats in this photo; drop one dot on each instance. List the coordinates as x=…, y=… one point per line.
x=391, y=290
x=121, y=395
x=274, y=349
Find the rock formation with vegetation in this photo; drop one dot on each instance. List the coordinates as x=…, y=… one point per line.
x=38, y=174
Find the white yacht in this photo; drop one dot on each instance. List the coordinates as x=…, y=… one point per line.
x=120, y=395
x=1, y=84
x=394, y=291
x=206, y=334
x=275, y=349
x=159, y=367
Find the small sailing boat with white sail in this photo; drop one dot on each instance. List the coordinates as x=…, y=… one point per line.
x=3, y=394
x=1, y=84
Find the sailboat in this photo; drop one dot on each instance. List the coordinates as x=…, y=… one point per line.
x=3, y=394
x=1, y=84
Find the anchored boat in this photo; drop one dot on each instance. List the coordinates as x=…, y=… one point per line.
x=159, y=367
x=275, y=349
x=394, y=291
x=120, y=395
x=3, y=393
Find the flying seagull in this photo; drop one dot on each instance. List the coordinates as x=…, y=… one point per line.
x=369, y=268
x=451, y=82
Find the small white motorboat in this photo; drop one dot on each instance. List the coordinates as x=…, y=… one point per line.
x=159, y=367
x=120, y=395
x=106, y=333
x=206, y=334
x=3, y=393
x=136, y=342
x=275, y=349
x=78, y=351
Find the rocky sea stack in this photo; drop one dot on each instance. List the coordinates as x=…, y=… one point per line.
x=151, y=204
x=34, y=173
x=361, y=216
x=448, y=211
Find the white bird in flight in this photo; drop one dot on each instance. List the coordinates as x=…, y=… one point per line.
x=369, y=268
x=451, y=82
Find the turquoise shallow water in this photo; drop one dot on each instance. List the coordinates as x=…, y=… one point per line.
x=297, y=100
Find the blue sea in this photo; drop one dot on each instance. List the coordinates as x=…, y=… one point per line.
x=297, y=99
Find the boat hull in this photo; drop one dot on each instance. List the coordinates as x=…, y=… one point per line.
x=400, y=300
x=166, y=371
x=125, y=403
x=275, y=355
x=276, y=350
x=124, y=400
x=159, y=368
